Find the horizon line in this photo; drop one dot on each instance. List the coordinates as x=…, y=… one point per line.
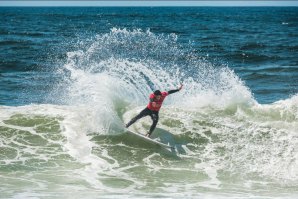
x=145, y=3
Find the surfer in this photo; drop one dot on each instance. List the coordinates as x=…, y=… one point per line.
x=153, y=107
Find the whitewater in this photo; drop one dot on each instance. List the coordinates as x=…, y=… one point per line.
x=227, y=145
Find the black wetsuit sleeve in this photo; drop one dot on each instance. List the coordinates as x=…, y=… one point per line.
x=173, y=91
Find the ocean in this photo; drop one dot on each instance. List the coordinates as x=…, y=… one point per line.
x=70, y=77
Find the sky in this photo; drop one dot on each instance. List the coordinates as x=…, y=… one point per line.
x=148, y=3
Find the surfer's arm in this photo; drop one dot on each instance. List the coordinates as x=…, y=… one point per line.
x=175, y=90
x=172, y=91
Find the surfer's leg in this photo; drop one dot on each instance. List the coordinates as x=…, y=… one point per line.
x=143, y=113
x=154, y=117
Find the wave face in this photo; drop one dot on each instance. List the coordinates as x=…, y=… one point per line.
x=226, y=143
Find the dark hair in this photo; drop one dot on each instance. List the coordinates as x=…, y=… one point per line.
x=157, y=92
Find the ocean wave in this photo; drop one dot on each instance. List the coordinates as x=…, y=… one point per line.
x=15, y=42
x=214, y=108
x=221, y=134
x=247, y=141
x=252, y=46
x=252, y=57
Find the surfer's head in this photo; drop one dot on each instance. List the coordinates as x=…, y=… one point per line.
x=157, y=94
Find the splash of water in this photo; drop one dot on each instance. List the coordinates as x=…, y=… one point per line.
x=122, y=67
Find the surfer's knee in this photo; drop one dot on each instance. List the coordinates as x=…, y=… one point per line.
x=154, y=118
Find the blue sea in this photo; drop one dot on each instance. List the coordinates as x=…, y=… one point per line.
x=70, y=77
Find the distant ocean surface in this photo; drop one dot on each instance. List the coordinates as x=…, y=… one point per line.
x=70, y=77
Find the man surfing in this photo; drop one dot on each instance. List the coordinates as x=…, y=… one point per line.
x=155, y=101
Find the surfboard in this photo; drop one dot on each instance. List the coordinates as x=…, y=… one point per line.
x=150, y=140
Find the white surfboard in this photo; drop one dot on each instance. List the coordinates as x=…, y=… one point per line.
x=150, y=140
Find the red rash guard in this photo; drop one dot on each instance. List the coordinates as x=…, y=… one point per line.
x=158, y=102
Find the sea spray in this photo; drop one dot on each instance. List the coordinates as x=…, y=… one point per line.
x=123, y=67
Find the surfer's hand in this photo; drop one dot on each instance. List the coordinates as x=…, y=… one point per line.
x=181, y=86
